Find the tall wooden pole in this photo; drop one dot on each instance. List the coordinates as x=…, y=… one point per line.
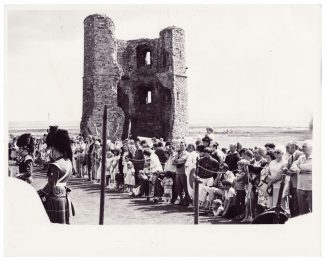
x=196, y=195
x=102, y=180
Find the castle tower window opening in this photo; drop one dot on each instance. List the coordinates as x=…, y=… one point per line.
x=144, y=56
x=148, y=98
x=148, y=58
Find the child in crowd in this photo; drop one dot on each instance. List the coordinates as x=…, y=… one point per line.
x=240, y=183
x=109, y=160
x=228, y=208
x=129, y=179
x=115, y=170
x=228, y=175
x=167, y=183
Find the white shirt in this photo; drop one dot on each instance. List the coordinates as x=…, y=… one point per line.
x=169, y=166
x=155, y=165
x=275, y=169
x=191, y=159
x=230, y=193
x=221, y=155
x=303, y=168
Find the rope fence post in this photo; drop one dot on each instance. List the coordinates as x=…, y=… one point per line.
x=196, y=195
x=102, y=180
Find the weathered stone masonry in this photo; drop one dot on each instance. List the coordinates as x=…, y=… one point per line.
x=141, y=81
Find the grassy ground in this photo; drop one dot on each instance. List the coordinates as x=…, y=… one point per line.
x=120, y=208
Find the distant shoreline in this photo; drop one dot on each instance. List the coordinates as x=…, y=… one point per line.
x=36, y=125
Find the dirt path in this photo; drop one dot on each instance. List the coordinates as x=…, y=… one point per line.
x=120, y=208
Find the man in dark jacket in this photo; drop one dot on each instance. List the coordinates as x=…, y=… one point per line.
x=232, y=158
x=208, y=168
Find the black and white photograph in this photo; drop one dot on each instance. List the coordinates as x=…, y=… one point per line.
x=162, y=115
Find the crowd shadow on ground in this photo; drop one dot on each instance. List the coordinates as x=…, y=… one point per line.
x=136, y=203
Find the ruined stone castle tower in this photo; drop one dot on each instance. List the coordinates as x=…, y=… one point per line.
x=142, y=82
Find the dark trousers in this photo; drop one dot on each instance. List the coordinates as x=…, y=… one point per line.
x=304, y=201
x=293, y=203
x=108, y=177
x=181, y=185
x=174, y=189
x=240, y=201
x=89, y=167
x=232, y=212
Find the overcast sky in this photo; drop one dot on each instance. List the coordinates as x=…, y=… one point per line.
x=247, y=65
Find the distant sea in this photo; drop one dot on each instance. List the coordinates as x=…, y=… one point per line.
x=248, y=136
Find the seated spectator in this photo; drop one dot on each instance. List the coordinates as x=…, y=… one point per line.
x=216, y=190
x=228, y=209
x=229, y=203
x=208, y=169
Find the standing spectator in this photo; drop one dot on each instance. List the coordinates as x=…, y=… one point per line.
x=239, y=147
x=181, y=180
x=129, y=177
x=122, y=163
x=240, y=182
x=263, y=196
x=115, y=169
x=214, y=153
x=170, y=167
x=95, y=161
x=294, y=154
x=88, y=153
x=259, y=154
x=79, y=151
x=161, y=153
x=206, y=141
x=190, y=164
x=25, y=142
x=276, y=169
x=209, y=133
x=232, y=158
x=13, y=149
x=154, y=169
x=167, y=183
x=269, y=147
x=138, y=160
x=303, y=168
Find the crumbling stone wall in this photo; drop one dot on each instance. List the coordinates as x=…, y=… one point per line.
x=142, y=81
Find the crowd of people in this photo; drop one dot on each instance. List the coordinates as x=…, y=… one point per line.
x=235, y=182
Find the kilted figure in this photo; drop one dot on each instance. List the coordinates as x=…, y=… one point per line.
x=25, y=142
x=55, y=193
